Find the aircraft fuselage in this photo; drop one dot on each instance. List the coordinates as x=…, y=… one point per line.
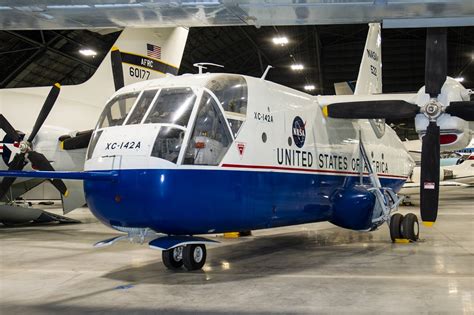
x=234, y=153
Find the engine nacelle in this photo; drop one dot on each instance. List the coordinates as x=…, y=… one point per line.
x=353, y=208
x=454, y=132
x=444, y=174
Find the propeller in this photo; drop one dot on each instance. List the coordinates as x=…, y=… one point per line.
x=38, y=160
x=117, y=70
x=435, y=76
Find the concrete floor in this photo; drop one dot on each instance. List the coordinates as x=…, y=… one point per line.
x=315, y=268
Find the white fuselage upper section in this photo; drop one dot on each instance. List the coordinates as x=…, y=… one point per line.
x=284, y=130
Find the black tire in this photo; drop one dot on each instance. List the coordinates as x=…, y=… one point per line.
x=194, y=256
x=395, y=226
x=410, y=227
x=173, y=258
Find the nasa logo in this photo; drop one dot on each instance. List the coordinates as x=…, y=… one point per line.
x=299, y=131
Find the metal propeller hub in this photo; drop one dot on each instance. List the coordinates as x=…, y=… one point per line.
x=24, y=146
x=433, y=109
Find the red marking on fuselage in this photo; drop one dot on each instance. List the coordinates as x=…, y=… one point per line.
x=308, y=170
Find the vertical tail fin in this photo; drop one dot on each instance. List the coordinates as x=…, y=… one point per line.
x=146, y=54
x=369, y=80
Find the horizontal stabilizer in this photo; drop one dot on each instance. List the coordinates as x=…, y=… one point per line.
x=96, y=176
x=75, y=198
x=168, y=242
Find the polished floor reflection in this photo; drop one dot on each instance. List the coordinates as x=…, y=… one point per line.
x=303, y=269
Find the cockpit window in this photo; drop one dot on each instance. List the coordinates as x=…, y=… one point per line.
x=168, y=144
x=116, y=110
x=231, y=91
x=173, y=106
x=142, y=105
x=210, y=138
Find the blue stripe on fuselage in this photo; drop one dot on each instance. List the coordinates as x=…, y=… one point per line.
x=211, y=201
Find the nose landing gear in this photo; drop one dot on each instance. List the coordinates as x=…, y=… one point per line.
x=192, y=256
x=173, y=258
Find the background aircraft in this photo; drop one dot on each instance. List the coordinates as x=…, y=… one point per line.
x=58, y=145
x=456, y=171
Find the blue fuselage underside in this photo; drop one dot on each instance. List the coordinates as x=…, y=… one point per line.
x=196, y=201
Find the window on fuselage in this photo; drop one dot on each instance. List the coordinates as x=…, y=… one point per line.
x=142, y=106
x=231, y=91
x=173, y=106
x=235, y=125
x=116, y=110
x=210, y=137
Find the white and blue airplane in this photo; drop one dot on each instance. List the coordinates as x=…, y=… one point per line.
x=187, y=155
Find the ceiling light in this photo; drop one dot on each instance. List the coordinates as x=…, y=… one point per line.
x=459, y=79
x=88, y=52
x=297, y=67
x=281, y=40
x=309, y=87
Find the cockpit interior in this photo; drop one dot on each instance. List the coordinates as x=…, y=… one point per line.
x=212, y=115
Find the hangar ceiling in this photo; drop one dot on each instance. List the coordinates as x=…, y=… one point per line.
x=86, y=14
x=329, y=54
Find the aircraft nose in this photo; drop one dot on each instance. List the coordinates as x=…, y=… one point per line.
x=121, y=202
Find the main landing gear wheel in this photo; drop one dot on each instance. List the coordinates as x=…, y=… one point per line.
x=395, y=226
x=173, y=258
x=194, y=256
x=410, y=227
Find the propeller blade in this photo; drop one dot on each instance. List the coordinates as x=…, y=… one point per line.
x=429, y=180
x=47, y=106
x=16, y=165
x=41, y=163
x=8, y=128
x=117, y=70
x=436, y=60
x=80, y=141
x=464, y=110
x=388, y=109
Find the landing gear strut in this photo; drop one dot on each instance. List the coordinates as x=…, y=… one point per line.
x=387, y=201
x=192, y=256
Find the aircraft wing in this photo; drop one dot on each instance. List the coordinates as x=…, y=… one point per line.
x=444, y=186
x=86, y=175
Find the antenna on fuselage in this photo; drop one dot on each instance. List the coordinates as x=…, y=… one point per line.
x=201, y=65
x=264, y=75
